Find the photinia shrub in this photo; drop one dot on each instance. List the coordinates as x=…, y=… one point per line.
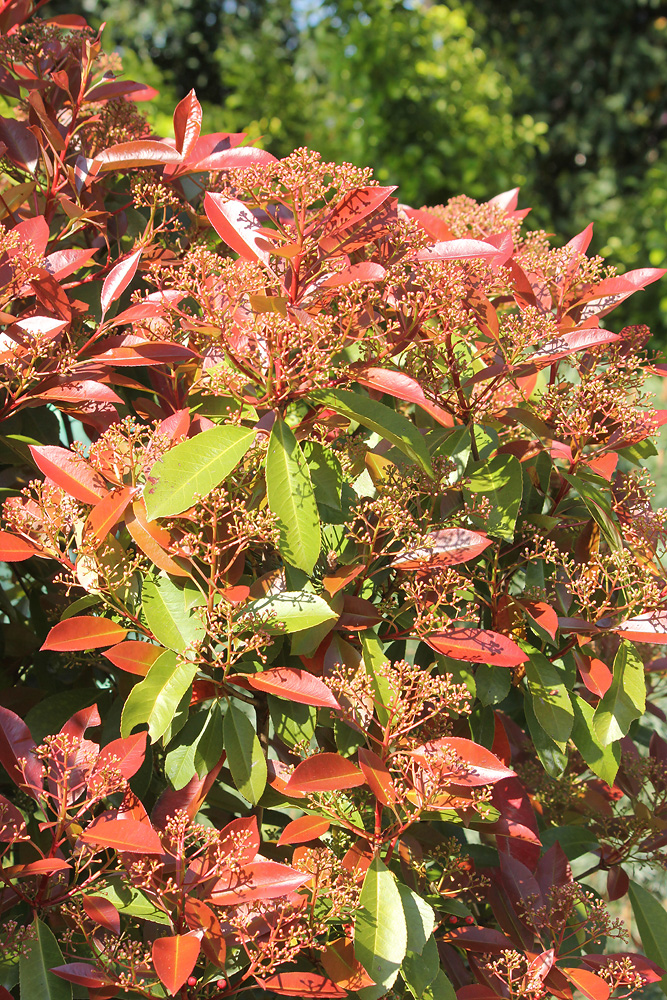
x=334, y=591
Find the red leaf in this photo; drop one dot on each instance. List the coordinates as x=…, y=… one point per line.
x=119, y=278
x=568, y=343
x=80, y=721
x=459, y=250
x=141, y=153
x=618, y=882
x=22, y=147
x=303, y=829
x=82, y=974
x=365, y=271
x=16, y=744
x=240, y=840
x=378, y=777
x=125, y=755
x=516, y=829
x=543, y=615
x=199, y=916
x=355, y=206
x=648, y=970
x=231, y=159
x=103, y=912
x=141, y=353
x=237, y=227
x=187, y=123
x=122, y=835
x=553, y=869
x=475, y=991
x=152, y=539
x=15, y=549
x=474, y=764
x=301, y=984
x=343, y=968
x=69, y=471
x=83, y=632
x=260, y=880
x=11, y=821
x=649, y=627
x=430, y=223
x=175, y=957
x=478, y=939
x=477, y=646
x=79, y=392
x=402, y=386
x=291, y=684
x=592, y=986
x=44, y=866
x=133, y=656
x=326, y=772
x=61, y=263
x=106, y=514
x=595, y=674
x=446, y=547
x=121, y=88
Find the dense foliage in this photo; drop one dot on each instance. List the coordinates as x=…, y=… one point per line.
x=334, y=583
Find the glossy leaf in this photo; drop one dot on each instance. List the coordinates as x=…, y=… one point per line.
x=402, y=386
x=420, y=969
x=592, y=986
x=446, y=547
x=15, y=549
x=501, y=480
x=477, y=646
x=602, y=759
x=16, y=745
x=84, y=632
x=167, y=609
x=291, y=684
x=551, y=702
x=290, y=611
x=649, y=627
x=154, y=700
x=124, y=755
x=292, y=499
x=236, y=225
x=134, y=657
x=380, y=931
x=69, y=471
x=81, y=974
x=259, y=880
x=194, y=468
x=140, y=153
x=325, y=772
x=462, y=762
x=127, y=835
x=651, y=920
x=378, y=777
x=389, y=424
x=174, y=958
x=339, y=963
x=118, y=278
x=107, y=512
x=187, y=124
x=301, y=984
x=625, y=700
x=244, y=754
x=12, y=823
x=102, y=912
x=303, y=829
x=38, y=956
x=419, y=918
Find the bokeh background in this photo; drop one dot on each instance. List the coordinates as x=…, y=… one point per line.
x=566, y=98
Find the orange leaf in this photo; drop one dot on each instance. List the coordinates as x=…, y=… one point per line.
x=133, y=656
x=289, y=683
x=152, y=540
x=341, y=966
x=106, y=514
x=122, y=835
x=69, y=471
x=301, y=984
x=377, y=777
x=477, y=645
x=83, y=632
x=326, y=772
x=175, y=957
x=303, y=829
x=103, y=912
x=593, y=987
x=472, y=765
x=446, y=547
x=15, y=549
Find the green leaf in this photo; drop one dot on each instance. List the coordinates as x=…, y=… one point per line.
x=194, y=467
x=380, y=933
x=554, y=760
x=154, y=700
x=625, y=700
x=551, y=702
x=419, y=971
x=599, y=508
x=440, y=988
x=493, y=684
x=292, y=499
x=575, y=840
x=40, y=953
x=131, y=901
x=377, y=417
x=501, y=480
x=290, y=611
x=292, y=723
x=419, y=918
x=326, y=474
x=167, y=610
x=197, y=749
x=602, y=760
x=244, y=754
x=651, y=919
x=374, y=657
